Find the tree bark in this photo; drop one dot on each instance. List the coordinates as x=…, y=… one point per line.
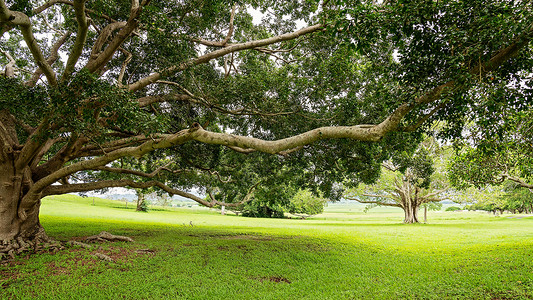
x=20, y=229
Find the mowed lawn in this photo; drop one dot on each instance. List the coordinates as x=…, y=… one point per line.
x=341, y=254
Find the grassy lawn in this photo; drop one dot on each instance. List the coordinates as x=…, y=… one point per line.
x=341, y=254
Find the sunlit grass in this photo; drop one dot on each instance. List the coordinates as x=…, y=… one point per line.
x=341, y=254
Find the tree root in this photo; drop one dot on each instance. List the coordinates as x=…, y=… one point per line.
x=38, y=243
x=103, y=257
x=80, y=244
x=105, y=236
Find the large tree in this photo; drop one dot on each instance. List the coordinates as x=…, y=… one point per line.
x=192, y=80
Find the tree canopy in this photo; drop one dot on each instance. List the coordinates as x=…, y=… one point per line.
x=188, y=88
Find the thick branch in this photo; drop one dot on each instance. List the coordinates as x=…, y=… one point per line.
x=97, y=63
x=104, y=36
x=133, y=172
x=124, y=65
x=358, y=132
x=10, y=67
x=146, y=101
x=520, y=182
x=49, y=4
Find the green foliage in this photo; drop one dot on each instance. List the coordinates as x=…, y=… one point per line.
x=452, y=208
x=306, y=204
x=256, y=209
x=489, y=158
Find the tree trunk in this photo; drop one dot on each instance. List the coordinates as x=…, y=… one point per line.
x=411, y=214
x=20, y=229
x=141, y=202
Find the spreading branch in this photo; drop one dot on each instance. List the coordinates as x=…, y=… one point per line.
x=221, y=52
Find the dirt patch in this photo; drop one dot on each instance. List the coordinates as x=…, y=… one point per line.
x=276, y=279
x=7, y=279
x=58, y=270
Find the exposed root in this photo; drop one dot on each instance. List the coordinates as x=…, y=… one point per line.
x=105, y=236
x=38, y=243
x=103, y=257
x=144, y=251
x=79, y=244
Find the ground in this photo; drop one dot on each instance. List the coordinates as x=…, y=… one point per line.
x=341, y=254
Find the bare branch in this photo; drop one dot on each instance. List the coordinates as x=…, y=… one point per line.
x=133, y=172
x=124, y=65
x=83, y=187
x=520, y=182
x=148, y=100
x=104, y=36
x=51, y=3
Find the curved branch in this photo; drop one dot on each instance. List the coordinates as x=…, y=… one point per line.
x=146, y=101
x=133, y=172
x=10, y=67
x=520, y=182
x=221, y=52
x=129, y=56
x=104, y=36
x=81, y=37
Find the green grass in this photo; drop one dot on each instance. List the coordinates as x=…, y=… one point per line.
x=341, y=254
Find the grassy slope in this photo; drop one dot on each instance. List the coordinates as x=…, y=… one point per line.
x=341, y=254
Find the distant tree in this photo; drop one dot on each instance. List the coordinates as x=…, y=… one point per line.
x=406, y=182
x=519, y=200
